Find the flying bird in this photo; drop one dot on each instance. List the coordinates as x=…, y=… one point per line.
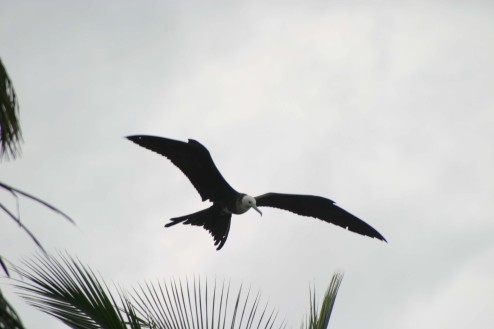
x=195, y=161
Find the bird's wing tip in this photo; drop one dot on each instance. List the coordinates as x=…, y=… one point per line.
x=380, y=237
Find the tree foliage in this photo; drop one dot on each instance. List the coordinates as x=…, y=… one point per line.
x=70, y=291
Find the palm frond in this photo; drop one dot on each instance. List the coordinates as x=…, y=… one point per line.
x=10, y=130
x=14, y=191
x=8, y=317
x=69, y=291
x=198, y=305
x=17, y=219
x=320, y=319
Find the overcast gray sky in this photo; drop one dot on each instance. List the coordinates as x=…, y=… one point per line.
x=385, y=107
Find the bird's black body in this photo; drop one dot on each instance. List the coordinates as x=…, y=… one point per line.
x=194, y=160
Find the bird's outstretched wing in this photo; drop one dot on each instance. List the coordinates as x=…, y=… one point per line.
x=194, y=160
x=318, y=207
x=212, y=219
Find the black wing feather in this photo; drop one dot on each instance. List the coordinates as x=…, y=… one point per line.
x=194, y=160
x=318, y=207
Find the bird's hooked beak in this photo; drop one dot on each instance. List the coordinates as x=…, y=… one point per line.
x=257, y=209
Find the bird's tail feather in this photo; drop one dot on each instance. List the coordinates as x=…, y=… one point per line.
x=212, y=219
x=193, y=219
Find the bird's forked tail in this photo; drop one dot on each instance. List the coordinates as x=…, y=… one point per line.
x=212, y=219
x=192, y=219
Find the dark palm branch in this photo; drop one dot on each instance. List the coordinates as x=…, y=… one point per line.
x=8, y=317
x=10, y=130
x=4, y=267
x=72, y=293
x=15, y=215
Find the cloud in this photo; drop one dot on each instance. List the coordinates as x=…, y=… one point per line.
x=462, y=300
x=384, y=108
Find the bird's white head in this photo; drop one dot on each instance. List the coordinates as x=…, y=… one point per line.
x=249, y=202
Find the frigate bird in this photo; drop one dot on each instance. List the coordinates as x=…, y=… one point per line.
x=195, y=161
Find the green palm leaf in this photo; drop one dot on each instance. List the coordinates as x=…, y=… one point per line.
x=198, y=304
x=70, y=292
x=320, y=319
